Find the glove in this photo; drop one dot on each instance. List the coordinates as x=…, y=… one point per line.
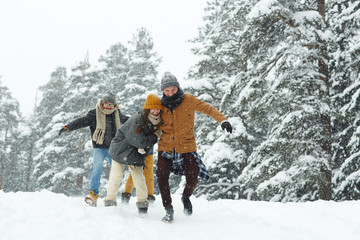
x=158, y=133
x=141, y=151
x=64, y=129
x=226, y=125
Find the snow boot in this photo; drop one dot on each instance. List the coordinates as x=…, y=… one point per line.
x=143, y=212
x=125, y=198
x=110, y=203
x=187, y=205
x=92, y=199
x=143, y=208
x=169, y=216
x=151, y=199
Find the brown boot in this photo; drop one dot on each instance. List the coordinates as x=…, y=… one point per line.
x=92, y=199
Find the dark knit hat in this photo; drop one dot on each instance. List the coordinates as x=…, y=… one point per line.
x=152, y=102
x=109, y=98
x=168, y=80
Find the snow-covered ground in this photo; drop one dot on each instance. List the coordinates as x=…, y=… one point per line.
x=46, y=215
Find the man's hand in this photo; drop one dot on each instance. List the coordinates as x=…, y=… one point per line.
x=226, y=125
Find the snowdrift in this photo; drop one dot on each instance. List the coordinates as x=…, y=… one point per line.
x=46, y=215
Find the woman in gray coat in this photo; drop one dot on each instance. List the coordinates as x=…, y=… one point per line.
x=132, y=142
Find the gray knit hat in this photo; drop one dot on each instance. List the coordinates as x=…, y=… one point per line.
x=168, y=80
x=109, y=98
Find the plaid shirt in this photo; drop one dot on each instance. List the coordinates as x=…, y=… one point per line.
x=178, y=162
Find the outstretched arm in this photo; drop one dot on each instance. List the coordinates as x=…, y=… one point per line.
x=86, y=121
x=206, y=108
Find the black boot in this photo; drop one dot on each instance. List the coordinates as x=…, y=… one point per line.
x=143, y=208
x=187, y=205
x=169, y=217
x=125, y=198
x=151, y=199
x=143, y=211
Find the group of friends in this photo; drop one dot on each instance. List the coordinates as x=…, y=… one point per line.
x=124, y=140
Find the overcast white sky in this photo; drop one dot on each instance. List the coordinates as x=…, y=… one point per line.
x=37, y=36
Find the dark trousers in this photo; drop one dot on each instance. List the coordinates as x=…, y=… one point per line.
x=163, y=172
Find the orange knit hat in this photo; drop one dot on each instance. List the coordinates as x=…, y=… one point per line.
x=152, y=102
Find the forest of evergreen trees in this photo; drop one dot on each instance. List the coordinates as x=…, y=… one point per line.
x=285, y=72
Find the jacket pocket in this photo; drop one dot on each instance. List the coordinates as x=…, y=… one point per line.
x=117, y=149
x=135, y=158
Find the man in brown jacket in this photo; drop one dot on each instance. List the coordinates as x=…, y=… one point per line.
x=177, y=144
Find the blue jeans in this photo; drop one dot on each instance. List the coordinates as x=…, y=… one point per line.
x=99, y=156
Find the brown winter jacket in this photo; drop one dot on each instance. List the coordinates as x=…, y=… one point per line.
x=178, y=126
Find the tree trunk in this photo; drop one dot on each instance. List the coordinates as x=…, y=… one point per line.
x=2, y=170
x=28, y=170
x=79, y=181
x=3, y=161
x=325, y=190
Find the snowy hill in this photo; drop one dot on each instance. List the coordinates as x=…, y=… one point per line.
x=46, y=215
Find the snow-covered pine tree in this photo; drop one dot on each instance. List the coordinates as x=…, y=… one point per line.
x=114, y=73
x=26, y=146
x=23, y=150
x=63, y=161
x=345, y=82
x=10, y=168
x=46, y=154
x=283, y=93
x=286, y=41
x=82, y=93
x=220, y=61
x=142, y=76
x=130, y=72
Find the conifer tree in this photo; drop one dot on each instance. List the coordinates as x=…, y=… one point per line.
x=63, y=160
x=82, y=95
x=26, y=146
x=220, y=62
x=46, y=154
x=283, y=100
x=345, y=83
x=63, y=163
x=142, y=75
x=9, y=122
x=114, y=73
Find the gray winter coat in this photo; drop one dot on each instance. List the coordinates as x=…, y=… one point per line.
x=124, y=146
